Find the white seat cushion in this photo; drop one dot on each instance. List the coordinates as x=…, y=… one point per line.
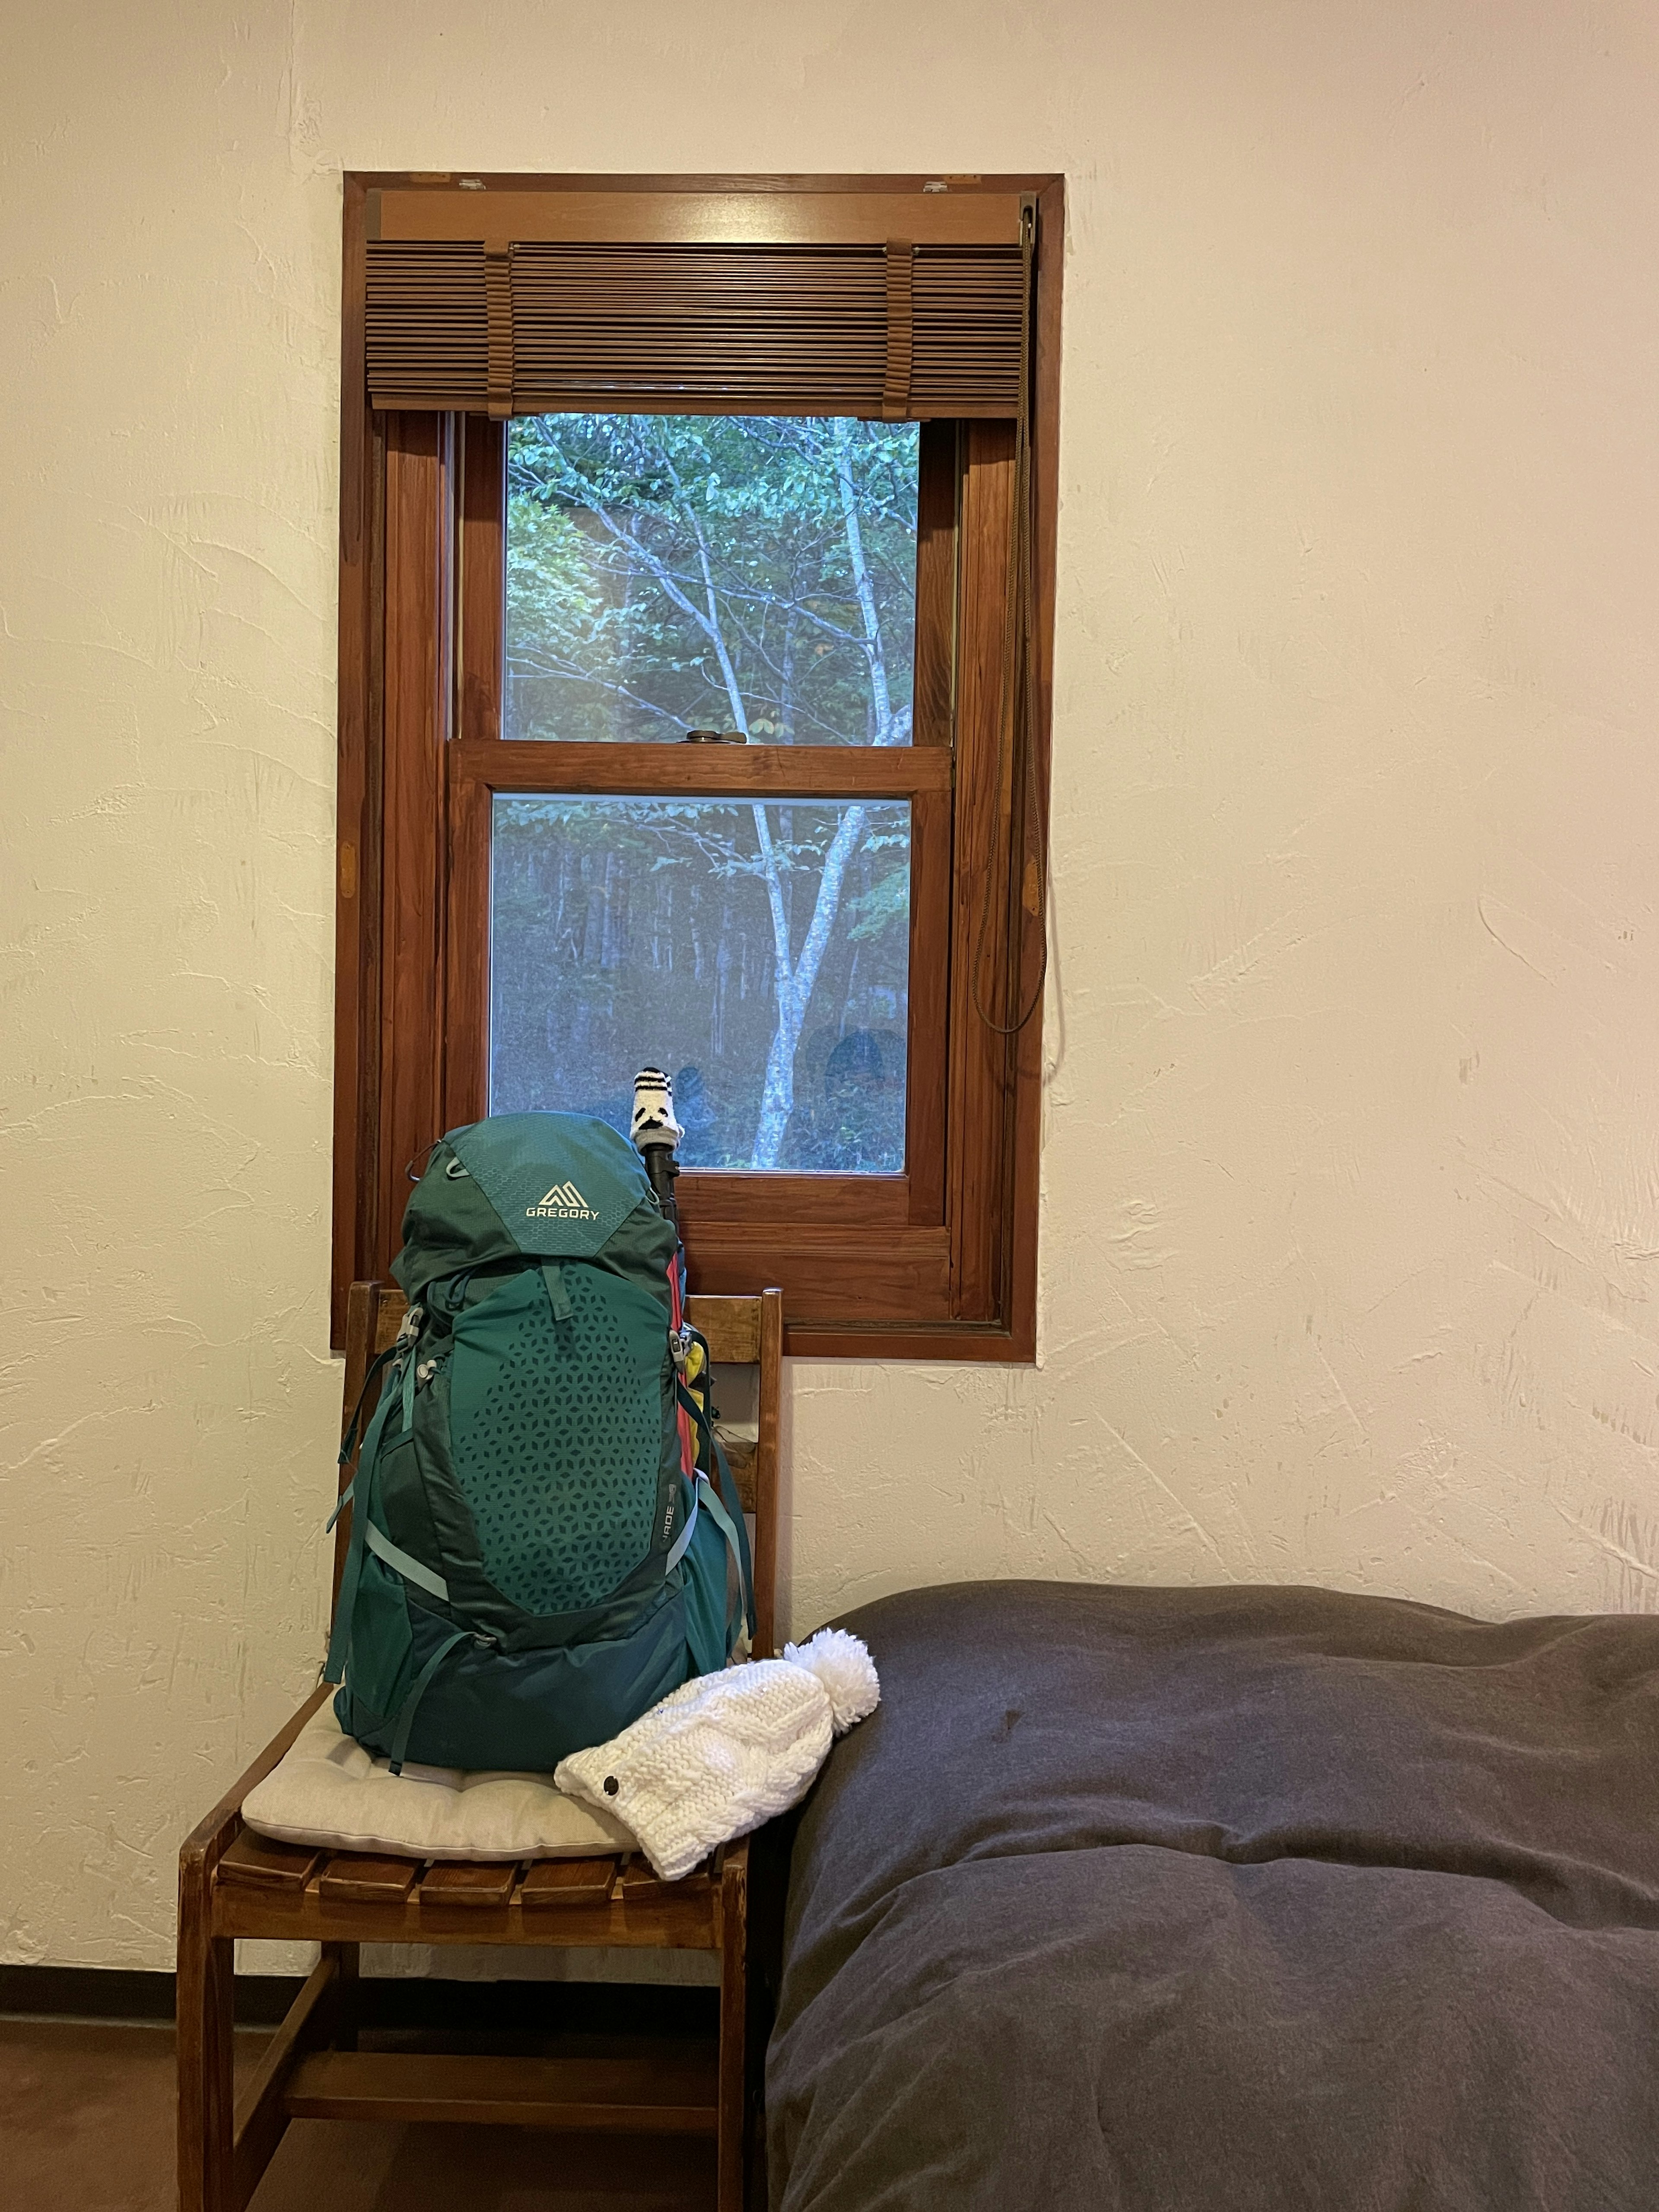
x=327, y=1790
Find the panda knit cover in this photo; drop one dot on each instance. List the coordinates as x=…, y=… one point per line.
x=727, y=1751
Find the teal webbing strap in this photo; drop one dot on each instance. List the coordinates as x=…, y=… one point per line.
x=350, y=1439
x=722, y=1520
x=340, y=1642
x=704, y=1495
x=677, y=1552
x=745, y=1564
x=401, y=1562
x=704, y=1427
x=731, y=1523
x=374, y=1367
x=411, y=1705
x=740, y=1624
x=557, y=1296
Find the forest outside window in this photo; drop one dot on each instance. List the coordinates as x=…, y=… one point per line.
x=700, y=716
x=756, y=576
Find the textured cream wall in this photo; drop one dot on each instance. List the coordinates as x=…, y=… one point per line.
x=1350, y=1228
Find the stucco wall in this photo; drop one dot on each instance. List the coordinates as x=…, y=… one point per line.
x=1350, y=1234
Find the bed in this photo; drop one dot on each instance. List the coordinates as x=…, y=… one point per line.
x=1226, y=1901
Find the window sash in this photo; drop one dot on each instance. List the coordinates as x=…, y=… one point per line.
x=480, y=764
x=479, y=770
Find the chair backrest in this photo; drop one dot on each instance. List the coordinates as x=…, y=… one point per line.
x=741, y=1333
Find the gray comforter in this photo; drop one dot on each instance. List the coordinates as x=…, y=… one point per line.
x=1227, y=1900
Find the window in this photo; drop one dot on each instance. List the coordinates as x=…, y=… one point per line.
x=695, y=623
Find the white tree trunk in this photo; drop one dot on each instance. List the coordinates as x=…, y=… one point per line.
x=796, y=979
x=778, y=1097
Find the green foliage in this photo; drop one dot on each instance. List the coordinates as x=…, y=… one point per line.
x=682, y=527
x=872, y=913
x=665, y=572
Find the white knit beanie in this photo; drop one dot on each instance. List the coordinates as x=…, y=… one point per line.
x=728, y=1752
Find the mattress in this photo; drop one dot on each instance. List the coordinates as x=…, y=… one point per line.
x=1155, y=1900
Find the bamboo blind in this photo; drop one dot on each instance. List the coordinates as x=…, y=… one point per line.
x=900, y=327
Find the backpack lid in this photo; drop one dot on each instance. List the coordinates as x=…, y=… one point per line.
x=562, y=1183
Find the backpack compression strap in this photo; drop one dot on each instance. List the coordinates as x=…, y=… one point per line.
x=406, y=1712
x=729, y=1519
x=403, y=1721
x=340, y=1642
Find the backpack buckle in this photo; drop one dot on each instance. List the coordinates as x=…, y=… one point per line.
x=679, y=1345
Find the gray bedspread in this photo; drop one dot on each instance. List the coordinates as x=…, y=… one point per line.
x=1227, y=1900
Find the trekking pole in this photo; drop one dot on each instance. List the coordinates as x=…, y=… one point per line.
x=655, y=1134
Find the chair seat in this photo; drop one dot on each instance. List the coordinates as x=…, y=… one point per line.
x=308, y=1892
x=327, y=1790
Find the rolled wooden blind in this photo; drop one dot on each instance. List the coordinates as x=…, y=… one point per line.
x=904, y=327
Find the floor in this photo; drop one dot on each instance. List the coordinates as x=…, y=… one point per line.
x=87, y=2125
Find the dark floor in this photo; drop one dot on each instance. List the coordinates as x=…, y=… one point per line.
x=87, y=2125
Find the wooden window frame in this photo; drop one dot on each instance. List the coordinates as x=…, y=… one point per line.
x=939, y=1262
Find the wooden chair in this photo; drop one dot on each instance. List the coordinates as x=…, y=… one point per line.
x=231, y=1883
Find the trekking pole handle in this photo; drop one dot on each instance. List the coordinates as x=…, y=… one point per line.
x=655, y=1132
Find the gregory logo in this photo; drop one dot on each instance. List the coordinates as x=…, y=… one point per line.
x=564, y=1202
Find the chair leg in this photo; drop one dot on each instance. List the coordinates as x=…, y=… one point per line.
x=348, y=1970
x=732, y=2147
x=206, y=2025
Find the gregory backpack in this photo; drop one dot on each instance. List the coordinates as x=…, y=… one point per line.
x=545, y=1539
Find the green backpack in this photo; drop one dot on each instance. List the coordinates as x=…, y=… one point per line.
x=545, y=1539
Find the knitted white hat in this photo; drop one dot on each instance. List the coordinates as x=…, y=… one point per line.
x=728, y=1752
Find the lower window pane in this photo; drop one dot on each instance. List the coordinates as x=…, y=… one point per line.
x=759, y=952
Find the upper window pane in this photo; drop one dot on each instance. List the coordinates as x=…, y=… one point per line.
x=746, y=573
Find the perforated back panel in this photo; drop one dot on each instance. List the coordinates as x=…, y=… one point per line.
x=558, y=1455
